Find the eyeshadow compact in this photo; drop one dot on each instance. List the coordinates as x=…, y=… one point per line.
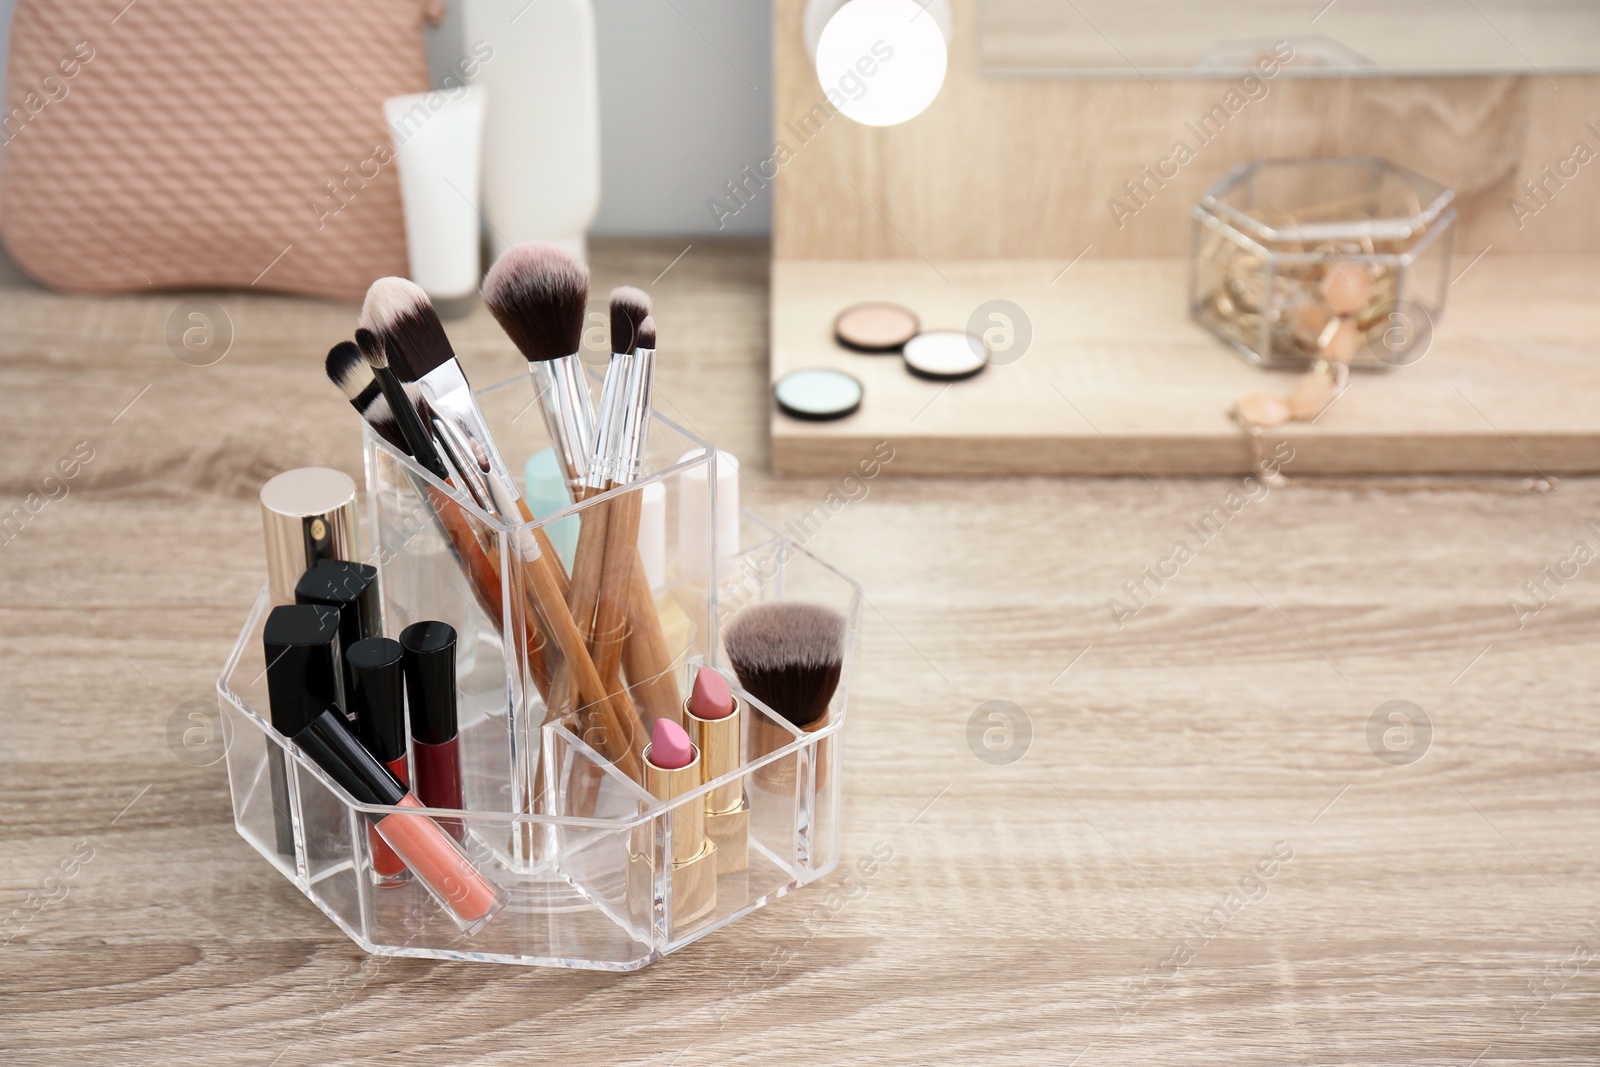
x=818, y=394
x=945, y=355
x=875, y=328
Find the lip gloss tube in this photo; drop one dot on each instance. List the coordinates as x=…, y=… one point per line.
x=378, y=701
x=714, y=716
x=429, y=664
x=441, y=865
x=301, y=644
x=351, y=589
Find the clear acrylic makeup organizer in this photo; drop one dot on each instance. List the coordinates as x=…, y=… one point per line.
x=584, y=876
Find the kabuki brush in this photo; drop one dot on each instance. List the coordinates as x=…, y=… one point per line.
x=788, y=655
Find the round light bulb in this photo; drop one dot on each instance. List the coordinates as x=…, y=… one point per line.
x=881, y=62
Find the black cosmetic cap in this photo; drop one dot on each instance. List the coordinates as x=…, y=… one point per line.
x=430, y=668
x=350, y=587
x=376, y=697
x=327, y=740
x=301, y=642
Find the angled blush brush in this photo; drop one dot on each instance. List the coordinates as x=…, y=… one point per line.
x=403, y=320
x=401, y=316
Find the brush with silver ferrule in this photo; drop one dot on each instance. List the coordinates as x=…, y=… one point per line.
x=355, y=380
x=618, y=451
x=537, y=293
x=400, y=314
x=620, y=595
x=594, y=570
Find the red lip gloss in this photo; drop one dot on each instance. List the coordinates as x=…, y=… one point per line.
x=470, y=898
x=378, y=703
x=429, y=664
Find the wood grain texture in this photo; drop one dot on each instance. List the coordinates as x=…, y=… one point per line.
x=1023, y=904
x=1118, y=379
x=1028, y=167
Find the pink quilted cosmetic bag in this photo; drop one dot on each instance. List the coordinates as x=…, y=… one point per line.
x=211, y=144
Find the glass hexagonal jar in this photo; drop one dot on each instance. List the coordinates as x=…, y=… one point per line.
x=1345, y=259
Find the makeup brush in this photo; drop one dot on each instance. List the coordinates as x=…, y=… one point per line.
x=788, y=655
x=350, y=370
x=347, y=370
x=604, y=626
x=628, y=628
x=412, y=338
x=537, y=293
x=399, y=312
x=403, y=407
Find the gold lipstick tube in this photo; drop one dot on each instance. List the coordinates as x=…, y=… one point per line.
x=727, y=811
x=694, y=858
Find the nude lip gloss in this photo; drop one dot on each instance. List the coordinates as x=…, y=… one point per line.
x=378, y=703
x=441, y=866
x=301, y=644
x=429, y=663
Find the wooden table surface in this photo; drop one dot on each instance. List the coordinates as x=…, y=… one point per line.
x=1198, y=858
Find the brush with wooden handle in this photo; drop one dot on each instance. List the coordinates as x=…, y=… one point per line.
x=537, y=292
x=399, y=312
x=627, y=629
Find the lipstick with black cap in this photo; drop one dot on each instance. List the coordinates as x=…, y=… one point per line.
x=377, y=700
x=429, y=663
x=301, y=643
x=351, y=589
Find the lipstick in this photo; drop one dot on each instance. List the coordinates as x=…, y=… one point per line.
x=440, y=864
x=429, y=664
x=351, y=589
x=672, y=768
x=714, y=716
x=378, y=703
x=301, y=644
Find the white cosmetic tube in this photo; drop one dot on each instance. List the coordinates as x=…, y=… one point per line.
x=438, y=143
x=694, y=513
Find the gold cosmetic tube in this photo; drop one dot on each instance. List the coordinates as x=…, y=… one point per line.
x=727, y=818
x=307, y=515
x=694, y=857
x=766, y=735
